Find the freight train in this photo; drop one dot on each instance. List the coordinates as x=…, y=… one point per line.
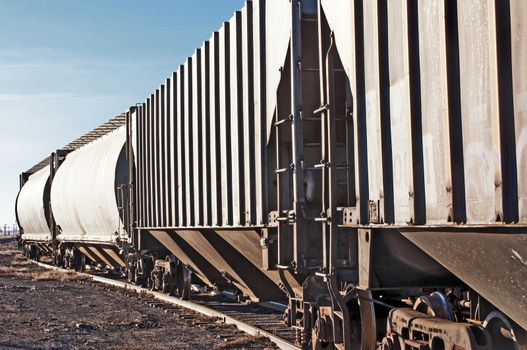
x=363, y=161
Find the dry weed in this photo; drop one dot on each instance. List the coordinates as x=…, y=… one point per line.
x=20, y=267
x=9, y=252
x=64, y=276
x=240, y=342
x=20, y=263
x=19, y=272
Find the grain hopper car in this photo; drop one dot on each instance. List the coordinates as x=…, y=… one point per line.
x=363, y=161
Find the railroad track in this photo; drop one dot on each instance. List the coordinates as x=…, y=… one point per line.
x=260, y=320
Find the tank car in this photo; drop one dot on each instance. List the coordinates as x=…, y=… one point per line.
x=79, y=188
x=32, y=209
x=363, y=161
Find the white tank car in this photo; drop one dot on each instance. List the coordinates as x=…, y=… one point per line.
x=83, y=194
x=31, y=207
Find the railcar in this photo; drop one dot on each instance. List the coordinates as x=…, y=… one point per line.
x=363, y=161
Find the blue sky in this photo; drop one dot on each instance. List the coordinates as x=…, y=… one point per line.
x=67, y=66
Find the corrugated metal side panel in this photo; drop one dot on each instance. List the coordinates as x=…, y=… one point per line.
x=189, y=170
x=249, y=125
x=204, y=133
x=167, y=124
x=373, y=101
x=278, y=33
x=479, y=151
x=215, y=136
x=159, y=159
x=445, y=130
x=197, y=117
x=236, y=121
x=163, y=178
x=174, y=169
x=146, y=165
x=139, y=166
x=30, y=206
x=207, y=149
x=399, y=113
x=518, y=16
x=260, y=108
x=149, y=152
x=225, y=130
x=155, y=159
x=438, y=183
x=181, y=147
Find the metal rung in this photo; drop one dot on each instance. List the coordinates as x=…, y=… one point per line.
x=339, y=314
x=322, y=274
x=321, y=109
x=283, y=170
x=316, y=219
x=323, y=164
x=310, y=70
x=283, y=267
x=282, y=121
x=281, y=218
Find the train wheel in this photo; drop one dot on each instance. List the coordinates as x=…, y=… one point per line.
x=317, y=344
x=500, y=331
x=138, y=280
x=171, y=289
x=164, y=284
x=131, y=274
x=157, y=280
x=183, y=282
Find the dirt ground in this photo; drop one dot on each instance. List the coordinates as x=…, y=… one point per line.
x=43, y=309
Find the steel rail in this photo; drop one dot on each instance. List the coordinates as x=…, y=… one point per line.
x=204, y=310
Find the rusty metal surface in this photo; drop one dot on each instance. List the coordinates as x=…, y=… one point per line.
x=190, y=257
x=31, y=207
x=493, y=264
x=223, y=257
x=406, y=325
x=90, y=255
x=228, y=258
x=116, y=259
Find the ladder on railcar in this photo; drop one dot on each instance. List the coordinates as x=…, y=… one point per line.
x=314, y=168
